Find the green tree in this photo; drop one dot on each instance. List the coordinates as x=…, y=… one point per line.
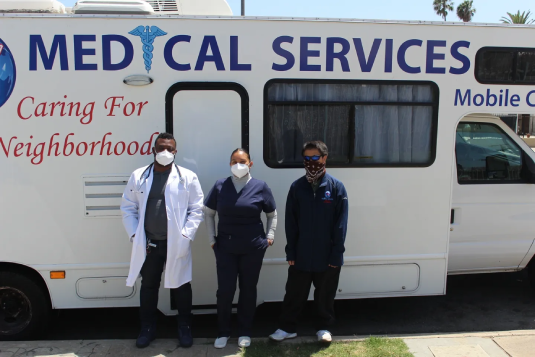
x=466, y=11
x=442, y=7
x=518, y=18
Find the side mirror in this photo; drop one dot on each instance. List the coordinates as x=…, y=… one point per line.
x=529, y=168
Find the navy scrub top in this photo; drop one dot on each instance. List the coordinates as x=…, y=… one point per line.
x=239, y=213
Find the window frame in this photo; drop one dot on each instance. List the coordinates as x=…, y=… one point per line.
x=434, y=119
x=515, y=51
x=494, y=182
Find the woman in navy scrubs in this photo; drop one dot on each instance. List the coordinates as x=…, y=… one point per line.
x=241, y=242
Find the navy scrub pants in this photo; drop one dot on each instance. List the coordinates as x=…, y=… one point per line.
x=244, y=267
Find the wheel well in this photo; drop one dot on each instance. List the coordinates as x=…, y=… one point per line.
x=28, y=272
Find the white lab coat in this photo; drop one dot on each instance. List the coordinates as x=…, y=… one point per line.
x=183, y=203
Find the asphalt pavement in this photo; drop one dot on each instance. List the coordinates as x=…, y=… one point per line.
x=483, y=302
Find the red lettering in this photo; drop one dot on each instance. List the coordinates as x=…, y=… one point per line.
x=113, y=105
x=72, y=105
x=141, y=105
x=52, y=144
x=88, y=113
x=78, y=148
x=6, y=151
x=104, y=144
x=93, y=144
x=135, y=151
x=67, y=144
x=18, y=147
x=20, y=106
x=126, y=110
x=38, y=153
x=43, y=112
x=115, y=148
x=148, y=143
x=53, y=107
x=29, y=145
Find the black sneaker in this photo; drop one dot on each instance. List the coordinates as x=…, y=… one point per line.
x=146, y=336
x=184, y=336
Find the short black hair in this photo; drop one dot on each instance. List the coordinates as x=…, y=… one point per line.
x=242, y=150
x=166, y=136
x=316, y=144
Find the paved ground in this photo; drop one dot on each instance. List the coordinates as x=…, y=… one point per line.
x=485, y=302
x=496, y=344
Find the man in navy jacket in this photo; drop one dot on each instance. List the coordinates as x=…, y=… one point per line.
x=316, y=226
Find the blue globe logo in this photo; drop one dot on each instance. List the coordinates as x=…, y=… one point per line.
x=8, y=73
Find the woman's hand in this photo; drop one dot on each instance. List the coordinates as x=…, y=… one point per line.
x=270, y=242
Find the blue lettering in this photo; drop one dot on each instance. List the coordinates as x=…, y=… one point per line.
x=234, y=65
x=515, y=98
x=366, y=66
x=168, y=53
x=432, y=56
x=341, y=56
x=482, y=99
x=59, y=42
x=106, y=52
x=306, y=53
x=209, y=42
x=489, y=97
x=290, y=59
x=467, y=97
x=528, y=101
x=402, y=63
x=80, y=52
x=460, y=57
x=389, y=55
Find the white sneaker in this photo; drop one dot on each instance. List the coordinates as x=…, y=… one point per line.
x=221, y=342
x=324, y=336
x=280, y=335
x=244, y=341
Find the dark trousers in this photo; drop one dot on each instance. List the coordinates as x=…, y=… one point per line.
x=297, y=290
x=151, y=274
x=246, y=269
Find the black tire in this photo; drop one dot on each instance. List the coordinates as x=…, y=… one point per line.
x=531, y=273
x=24, y=308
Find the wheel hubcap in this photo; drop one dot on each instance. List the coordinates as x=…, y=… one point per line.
x=15, y=311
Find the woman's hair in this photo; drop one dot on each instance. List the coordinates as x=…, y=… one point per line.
x=242, y=150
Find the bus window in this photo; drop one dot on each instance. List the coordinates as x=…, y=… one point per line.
x=505, y=65
x=364, y=123
x=485, y=154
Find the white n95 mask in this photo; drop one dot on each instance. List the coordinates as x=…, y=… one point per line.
x=164, y=158
x=239, y=170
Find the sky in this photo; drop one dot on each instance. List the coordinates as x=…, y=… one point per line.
x=486, y=10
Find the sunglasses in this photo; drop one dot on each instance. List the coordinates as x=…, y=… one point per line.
x=313, y=158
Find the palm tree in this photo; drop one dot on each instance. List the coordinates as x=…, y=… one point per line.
x=518, y=18
x=442, y=7
x=465, y=11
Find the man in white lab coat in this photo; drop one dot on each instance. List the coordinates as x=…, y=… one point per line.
x=162, y=209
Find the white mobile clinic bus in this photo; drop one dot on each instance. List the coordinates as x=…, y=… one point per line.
x=437, y=184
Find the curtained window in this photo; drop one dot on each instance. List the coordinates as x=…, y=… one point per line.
x=362, y=123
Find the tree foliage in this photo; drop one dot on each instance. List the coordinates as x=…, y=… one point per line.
x=518, y=18
x=466, y=10
x=443, y=7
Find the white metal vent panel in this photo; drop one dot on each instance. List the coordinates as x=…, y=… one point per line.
x=102, y=195
x=163, y=5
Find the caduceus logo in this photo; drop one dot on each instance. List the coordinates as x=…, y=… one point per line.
x=8, y=73
x=147, y=38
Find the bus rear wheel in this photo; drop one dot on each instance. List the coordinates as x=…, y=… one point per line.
x=24, y=309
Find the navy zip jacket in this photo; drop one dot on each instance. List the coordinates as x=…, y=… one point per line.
x=316, y=224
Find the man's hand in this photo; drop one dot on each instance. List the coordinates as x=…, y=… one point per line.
x=291, y=262
x=270, y=242
x=332, y=266
x=212, y=246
